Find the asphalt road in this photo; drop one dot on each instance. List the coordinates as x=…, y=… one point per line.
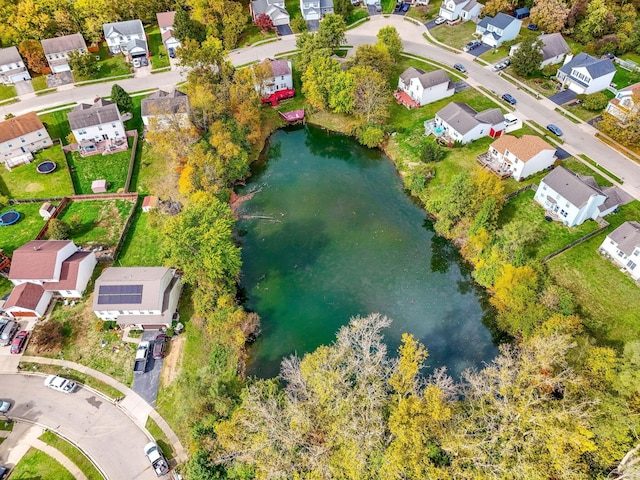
x=102, y=430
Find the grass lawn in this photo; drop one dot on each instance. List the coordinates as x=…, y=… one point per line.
x=57, y=124
x=293, y=7
x=25, y=182
x=108, y=66
x=37, y=465
x=624, y=78
x=113, y=168
x=39, y=83
x=141, y=247
x=610, y=299
x=7, y=91
x=30, y=223
x=423, y=13
x=72, y=453
x=358, y=13
x=553, y=235
x=158, y=434
x=253, y=34
x=99, y=222
x=159, y=56
x=455, y=36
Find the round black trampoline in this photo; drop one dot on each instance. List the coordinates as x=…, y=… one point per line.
x=46, y=167
x=9, y=218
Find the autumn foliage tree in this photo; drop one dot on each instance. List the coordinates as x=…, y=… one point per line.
x=550, y=15
x=264, y=22
x=33, y=54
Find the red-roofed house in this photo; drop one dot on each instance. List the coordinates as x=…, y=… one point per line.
x=44, y=268
x=518, y=157
x=625, y=103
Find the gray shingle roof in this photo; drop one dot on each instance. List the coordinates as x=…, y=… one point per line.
x=627, y=236
x=469, y=6
x=9, y=55
x=130, y=27
x=85, y=115
x=501, y=21
x=165, y=103
x=258, y=7
x=553, y=45
x=410, y=73
x=462, y=118
x=597, y=67
x=136, y=42
x=280, y=67
x=428, y=79
x=575, y=188
x=63, y=44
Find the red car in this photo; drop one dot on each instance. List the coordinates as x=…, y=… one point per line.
x=18, y=342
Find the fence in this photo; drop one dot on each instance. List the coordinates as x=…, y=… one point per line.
x=125, y=229
x=531, y=186
x=134, y=134
x=604, y=224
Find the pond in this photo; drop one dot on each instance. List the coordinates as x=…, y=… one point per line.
x=330, y=234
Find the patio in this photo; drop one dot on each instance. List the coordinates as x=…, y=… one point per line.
x=87, y=148
x=439, y=131
x=495, y=164
x=403, y=99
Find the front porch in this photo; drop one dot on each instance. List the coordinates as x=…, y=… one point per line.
x=496, y=164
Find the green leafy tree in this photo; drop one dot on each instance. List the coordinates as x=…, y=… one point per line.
x=371, y=136
x=598, y=22
x=318, y=80
x=375, y=57
x=83, y=65
x=332, y=31
x=58, y=229
x=184, y=27
x=595, y=101
x=298, y=24
x=527, y=58
x=372, y=96
x=121, y=98
x=343, y=8
x=550, y=15
x=432, y=152
x=391, y=39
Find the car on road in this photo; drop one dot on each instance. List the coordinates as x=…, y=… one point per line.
x=5, y=405
x=510, y=99
x=440, y=20
x=172, y=52
x=8, y=332
x=471, y=45
x=160, y=346
x=501, y=66
x=156, y=459
x=60, y=383
x=460, y=68
x=18, y=342
x=554, y=129
x=405, y=7
x=533, y=27
x=136, y=63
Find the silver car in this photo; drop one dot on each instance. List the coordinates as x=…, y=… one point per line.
x=8, y=332
x=5, y=405
x=60, y=383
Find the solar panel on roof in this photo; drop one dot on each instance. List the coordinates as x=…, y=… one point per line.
x=119, y=294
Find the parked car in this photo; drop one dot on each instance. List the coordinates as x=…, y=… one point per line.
x=142, y=355
x=378, y=7
x=18, y=342
x=405, y=7
x=398, y=6
x=471, y=45
x=172, y=52
x=5, y=405
x=136, y=63
x=501, y=66
x=156, y=459
x=160, y=346
x=460, y=68
x=60, y=383
x=440, y=20
x=509, y=99
x=533, y=27
x=8, y=332
x=554, y=129
x=4, y=471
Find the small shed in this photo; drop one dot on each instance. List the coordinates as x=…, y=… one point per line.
x=150, y=202
x=521, y=13
x=99, y=186
x=46, y=210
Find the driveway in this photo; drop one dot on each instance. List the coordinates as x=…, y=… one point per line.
x=146, y=384
x=562, y=154
x=313, y=25
x=476, y=52
x=372, y=10
x=460, y=86
x=97, y=426
x=284, y=30
x=431, y=24
x=143, y=71
x=563, y=97
x=23, y=87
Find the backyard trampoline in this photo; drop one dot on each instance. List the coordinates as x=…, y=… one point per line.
x=46, y=167
x=9, y=218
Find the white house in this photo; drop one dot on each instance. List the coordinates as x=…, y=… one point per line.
x=519, y=157
x=165, y=109
x=458, y=122
x=623, y=247
x=586, y=74
x=625, y=103
x=425, y=87
x=282, y=78
x=57, y=50
x=20, y=137
x=498, y=29
x=315, y=9
x=41, y=269
x=97, y=123
x=573, y=198
x=274, y=9
x=464, y=10
x=127, y=38
x=12, y=67
x=142, y=297
x=554, y=48
x=165, y=22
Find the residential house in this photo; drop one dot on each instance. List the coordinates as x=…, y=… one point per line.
x=623, y=246
x=573, y=198
x=127, y=37
x=458, y=122
x=519, y=157
x=165, y=109
x=20, y=137
x=165, y=22
x=498, y=29
x=453, y=10
x=12, y=67
x=41, y=269
x=315, y=9
x=142, y=297
x=554, y=48
x=274, y=9
x=282, y=78
x=57, y=50
x=425, y=87
x=626, y=103
x=99, y=123
x=585, y=74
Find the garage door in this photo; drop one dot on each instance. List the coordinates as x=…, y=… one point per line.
x=22, y=314
x=60, y=68
x=19, y=77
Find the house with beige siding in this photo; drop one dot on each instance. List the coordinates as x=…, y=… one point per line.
x=12, y=67
x=57, y=51
x=21, y=137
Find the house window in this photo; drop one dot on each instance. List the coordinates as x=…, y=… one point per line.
x=631, y=265
x=100, y=128
x=39, y=134
x=22, y=140
x=620, y=253
x=9, y=145
x=544, y=187
x=635, y=253
x=82, y=132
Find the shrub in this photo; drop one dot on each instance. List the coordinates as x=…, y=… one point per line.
x=58, y=229
x=595, y=101
x=432, y=153
x=298, y=24
x=371, y=136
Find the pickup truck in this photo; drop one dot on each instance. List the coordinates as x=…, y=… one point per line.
x=156, y=459
x=142, y=353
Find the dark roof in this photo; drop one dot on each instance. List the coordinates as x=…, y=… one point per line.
x=597, y=67
x=553, y=45
x=165, y=19
x=627, y=236
x=469, y=6
x=165, y=103
x=462, y=118
x=280, y=67
x=615, y=198
x=85, y=115
x=69, y=273
x=36, y=259
x=63, y=44
x=410, y=73
x=428, y=79
x=130, y=27
x=21, y=125
x=9, y=55
x=26, y=295
x=136, y=42
x=521, y=11
x=577, y=189
x=501, y=21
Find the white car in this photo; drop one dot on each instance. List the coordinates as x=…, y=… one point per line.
x=60, y=383
x=5, y=405
x=440, y=20
x=136, y=63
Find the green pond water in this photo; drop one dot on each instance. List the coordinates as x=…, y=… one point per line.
x=330, y=234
